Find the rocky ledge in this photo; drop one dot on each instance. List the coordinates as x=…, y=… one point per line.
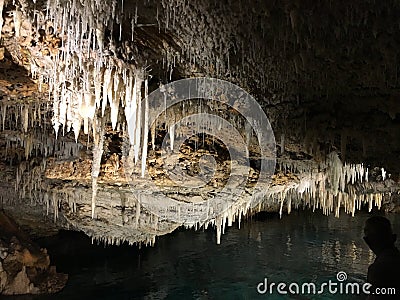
x=24, y=267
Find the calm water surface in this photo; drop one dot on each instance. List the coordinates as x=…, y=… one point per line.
x=301, y=247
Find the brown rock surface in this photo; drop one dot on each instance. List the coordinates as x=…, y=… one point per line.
x=24, y=267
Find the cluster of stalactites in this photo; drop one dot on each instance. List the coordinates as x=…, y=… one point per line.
x=316, y=190
x=209, y=48
x=22, y=117
x=30, y=183
x=23, y=125
x=330, y=186
x=112, y=240
x=85, y=78
x=81, y=92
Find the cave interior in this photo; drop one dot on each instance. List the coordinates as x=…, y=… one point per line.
x=81, y=150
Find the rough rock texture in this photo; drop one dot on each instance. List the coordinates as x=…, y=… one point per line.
x=24, y=268
x=325, y=73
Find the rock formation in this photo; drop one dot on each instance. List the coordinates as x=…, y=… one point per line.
x=76, y=135
x=24, y=267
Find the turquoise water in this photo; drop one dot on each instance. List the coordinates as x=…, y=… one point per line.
x=301, y=247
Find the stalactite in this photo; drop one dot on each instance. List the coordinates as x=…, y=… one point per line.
x=115, y=99
x=1, y=15
x=145, y=127
x=137, y=213
x=282, y=143
x=218, y=224
x=153, y=132
x=17, y=21
x=138, y=127
x=98, y=134
x=25, y=119
x=4, y=113
x=106, y=87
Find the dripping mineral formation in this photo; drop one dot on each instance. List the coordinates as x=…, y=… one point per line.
x=79, y=148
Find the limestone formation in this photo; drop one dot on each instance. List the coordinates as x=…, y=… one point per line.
x=75, y=131
x=24, y=268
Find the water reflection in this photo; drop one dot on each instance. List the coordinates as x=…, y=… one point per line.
x=301, y=247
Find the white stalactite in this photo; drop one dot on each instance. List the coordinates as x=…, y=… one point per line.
x=98, y=134
x=1, y=15
x=172, y=136
x=138, y=127
x=145, y=127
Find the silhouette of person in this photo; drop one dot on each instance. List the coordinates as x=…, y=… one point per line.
x=384, y=273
